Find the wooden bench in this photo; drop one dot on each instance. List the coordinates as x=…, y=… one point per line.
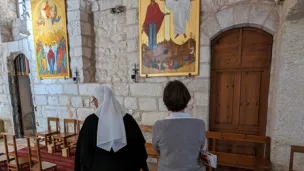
x=294, y=149
x=149, y=148
x=241, y=161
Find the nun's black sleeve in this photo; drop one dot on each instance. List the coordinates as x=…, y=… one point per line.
x=86, y=144
x=136, y=141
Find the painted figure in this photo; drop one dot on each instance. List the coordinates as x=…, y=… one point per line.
x=55, y=50
x=55, y=19
x=177, y=65
x=154, y=64
x=192, y=55
x=47, y=9
x=51, y=59
x=153, y=21
x=159, y=65
x=171, y=65
x=40, y=20
x=64, y=61
x=181, y=13
x=45, y=63
x=61, y=57
x=39, y=51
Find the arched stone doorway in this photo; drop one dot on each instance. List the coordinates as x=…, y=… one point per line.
x=239, y=87
x=21, y=96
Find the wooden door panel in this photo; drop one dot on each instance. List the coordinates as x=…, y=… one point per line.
x=255, y=36
x=228, y=38
x=226, y=56
x=240, y=70
x=224, y=97
x=250, y=98
x=256, y=55
x=225, y=50
x=256, y=48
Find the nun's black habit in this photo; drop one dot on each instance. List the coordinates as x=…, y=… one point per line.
x=89, y=157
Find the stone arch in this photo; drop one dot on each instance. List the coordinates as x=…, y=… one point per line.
x=11, y=58
x=259, y=15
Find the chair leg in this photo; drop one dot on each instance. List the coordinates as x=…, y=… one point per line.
x=46, y=143
x=54, y=143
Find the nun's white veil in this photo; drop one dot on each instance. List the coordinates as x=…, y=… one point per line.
x=111, y=132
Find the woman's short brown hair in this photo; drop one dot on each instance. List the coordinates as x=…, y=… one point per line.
x=176, y=96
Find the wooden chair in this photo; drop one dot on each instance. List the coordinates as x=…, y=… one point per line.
x=73, y=140
x=60, y=140
x=149, y=148
x=35, y=162
x=13, y=162
x=256, y=163
x=46, y=135
x=3, y=160
x=294, y=149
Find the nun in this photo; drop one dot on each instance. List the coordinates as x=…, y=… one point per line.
x=110, y=139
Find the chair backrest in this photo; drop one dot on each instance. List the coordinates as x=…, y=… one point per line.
x=8, y=154
x=294, y=149
x=56, y=120
x=32, y=158
x=67, y=123
x=79, y=125
x=149, y=148
x=236, y=160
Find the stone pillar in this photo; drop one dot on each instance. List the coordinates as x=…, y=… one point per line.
x=80, y=32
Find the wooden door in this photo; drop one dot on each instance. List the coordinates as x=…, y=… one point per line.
x=240, y=73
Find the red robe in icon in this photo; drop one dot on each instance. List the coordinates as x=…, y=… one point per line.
x=154, y=15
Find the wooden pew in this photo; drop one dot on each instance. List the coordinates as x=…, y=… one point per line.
x=294, y=149
x=241, y=161
x=150, y=151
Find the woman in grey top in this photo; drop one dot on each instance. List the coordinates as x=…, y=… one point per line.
x=179, y=138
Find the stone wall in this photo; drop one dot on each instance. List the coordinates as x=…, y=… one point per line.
x=8, y=51
x=8, y=11
x=286, y=109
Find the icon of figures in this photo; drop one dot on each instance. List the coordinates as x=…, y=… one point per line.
x=181, y=14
